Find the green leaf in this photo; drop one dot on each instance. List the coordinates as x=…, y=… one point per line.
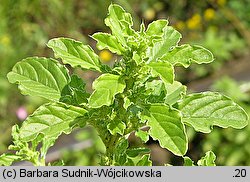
x=107, y=41
x=207, y=160
x=164, y=70
x=42, y=77
x=127, y=103
x=156, y=91
x=142, y=135
x=120, y=149
x=128, y=162
x=155, y=87
x=74, y=92
x=26, y=151
x=116, y=126
x=120, y=23
x=170, y=38
x=137, y=151
x=46, y=144
x=137, y=58
x=155, y=29
x=106, y=87
x=121, y=146
x=145, y=161
x=186, y=54
x=188, y=161
x=205, y=110
x=57, y=163
x=166, y=126
x=80, y=121
x=75, y=53
x=8, y=159
x=175, y=92
x=51, y=120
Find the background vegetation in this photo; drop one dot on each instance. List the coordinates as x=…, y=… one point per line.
x=222, y=26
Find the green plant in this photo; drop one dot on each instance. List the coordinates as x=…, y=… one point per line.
x=138, y=91
x=226, y=143
x=32, y=23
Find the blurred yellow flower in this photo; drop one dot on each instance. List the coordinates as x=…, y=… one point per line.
x=194, y=22
x=105, y=56
x=180, y=25
x=209, y=14
x=158, y=6
x=149, y=14
x=221, y=2
x=5, y=40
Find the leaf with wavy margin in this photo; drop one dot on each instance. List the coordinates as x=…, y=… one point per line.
x=42, y=77
x=51, y=120
x=107, y=41
x=166, y=127
x=75, y=53
x=186, y=54
x=105, y=88
x=155, y=31
x=205, y=110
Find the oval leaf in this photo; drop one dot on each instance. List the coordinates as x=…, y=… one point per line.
x=186, y=54
x=107, y=41
x=205, y=110
x=166, y=126
x=42, y=77
x=106, y=87
x=75, y=53
x=51, y=120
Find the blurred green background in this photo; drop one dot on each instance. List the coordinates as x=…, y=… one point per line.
x=222, y=26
